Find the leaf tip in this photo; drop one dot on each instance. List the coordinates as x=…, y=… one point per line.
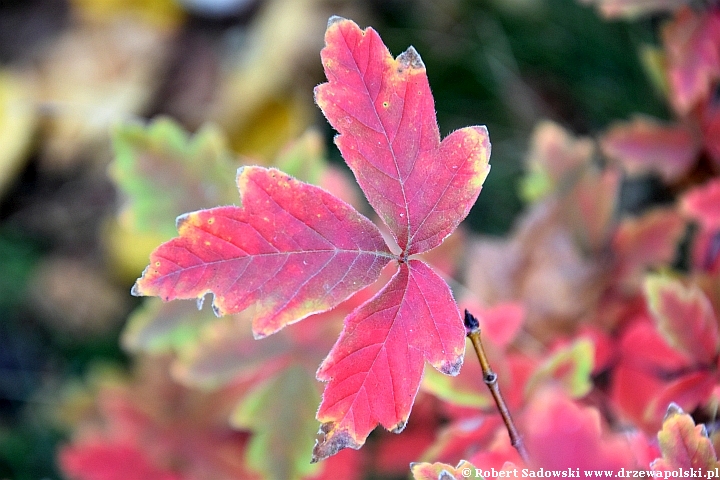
x=181, y=220
x=334, y=19
x=399, y=427
x=672, y=410
x=410, y=58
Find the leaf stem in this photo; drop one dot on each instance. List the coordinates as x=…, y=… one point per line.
x=472, y=327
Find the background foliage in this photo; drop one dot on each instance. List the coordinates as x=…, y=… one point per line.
x=77, y=166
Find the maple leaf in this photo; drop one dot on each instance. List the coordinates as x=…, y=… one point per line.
x=683, y=444
x=292, y=250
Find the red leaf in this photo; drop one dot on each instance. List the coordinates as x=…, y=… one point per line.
x=554, y=159
x=383, y=109
x=685, y=317
x=689, y=391
x=684, y=445
x=644, y=144
x=502, y=322
x=99, y=459
x=630, y=9
x=703, y=204
x=710, y=126
x=374, y=369
x=645, y=369
x=693, y=58
x=646, y=241
x=291, y=250
x=559, y=434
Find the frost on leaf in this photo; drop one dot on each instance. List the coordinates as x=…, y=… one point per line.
x=289, y=251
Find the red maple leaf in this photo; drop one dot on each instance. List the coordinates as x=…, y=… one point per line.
x=292, y=250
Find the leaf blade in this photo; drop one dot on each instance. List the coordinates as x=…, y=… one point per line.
x=388, y=134
x=374, y=369
x=290, y=251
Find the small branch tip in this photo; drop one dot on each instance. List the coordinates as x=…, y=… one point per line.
x=472, y=324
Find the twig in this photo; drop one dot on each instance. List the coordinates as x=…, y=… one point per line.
x=472, y=327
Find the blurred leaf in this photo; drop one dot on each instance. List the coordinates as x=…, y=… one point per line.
x=589, y=208
x=159, y=327
x=693, y=59
x=561, y=434
x=646, y=145
x=17, y=124
x=256, y=101
x=684, y=445
x=150, y=422
x=655, y=63
x=164, y=172
x=702, y=204
x=280, y=413
x=90, y=77
x=646, y=241
x=442, y=471
x=305, y=158
x=117, y=460
x=128, y=250
x=685, y=317
x=163, y=14
x=555, y=160
x=569, y=368
x=631, y=9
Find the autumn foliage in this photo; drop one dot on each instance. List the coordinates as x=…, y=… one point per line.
x=602, y=324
